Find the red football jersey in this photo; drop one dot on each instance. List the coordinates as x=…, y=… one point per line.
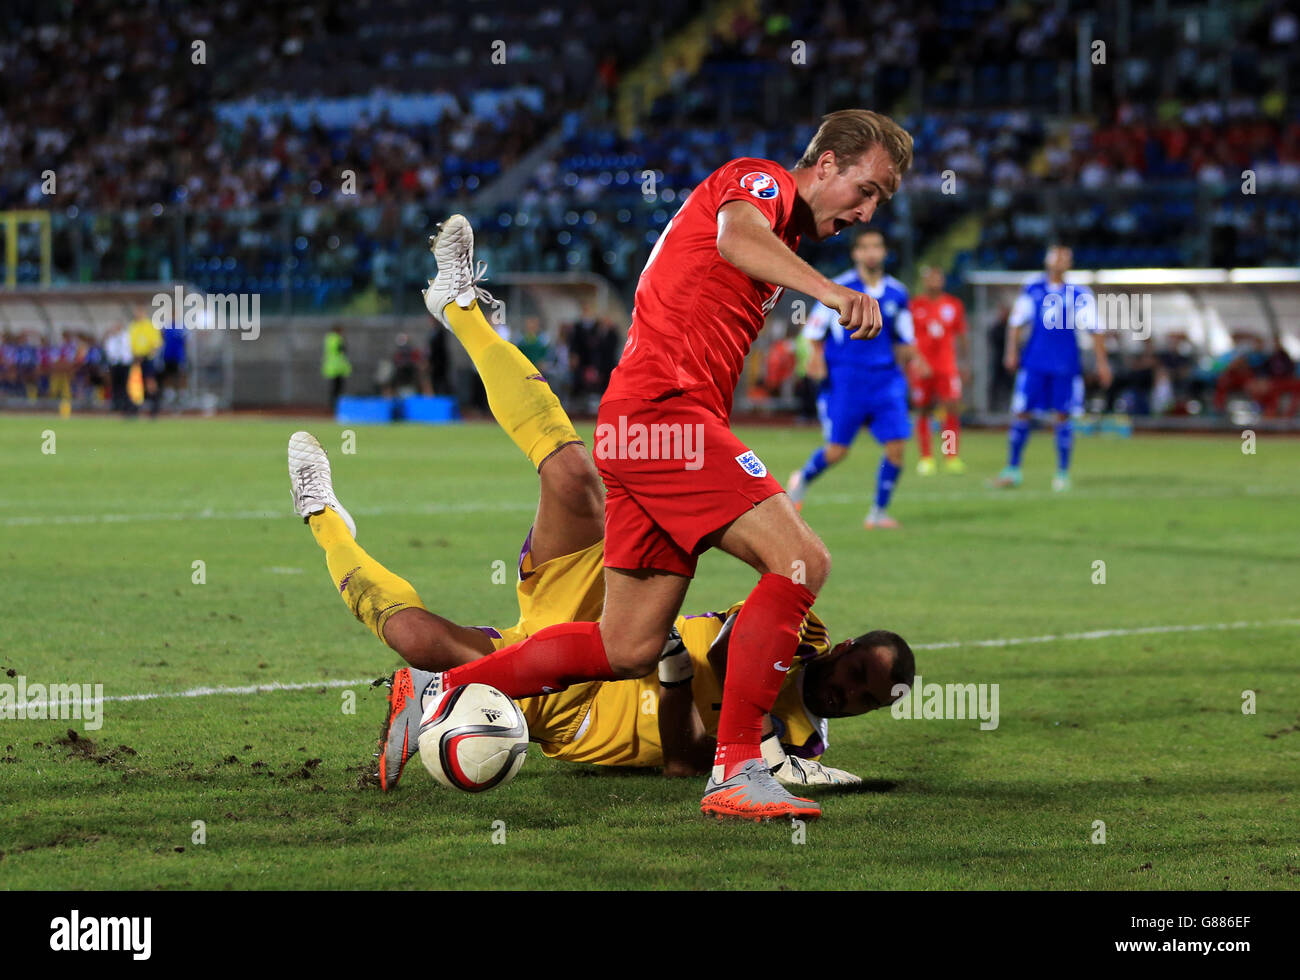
x=695, y=314
x=936, y=322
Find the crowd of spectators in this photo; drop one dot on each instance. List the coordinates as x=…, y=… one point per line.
x=33, y=365
x=576, y=357
x=1263, y=373
x=159, y=105
x=149, y=124
x=306, y=154
x=1148, y=179
x=132, y=365
x=1191, y=155
x=1170, y=375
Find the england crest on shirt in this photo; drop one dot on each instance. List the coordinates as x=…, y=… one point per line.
x=751, y=464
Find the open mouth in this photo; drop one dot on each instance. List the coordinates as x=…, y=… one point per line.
x=840, y=224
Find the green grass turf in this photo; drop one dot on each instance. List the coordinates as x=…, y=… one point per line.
x=1144, y=732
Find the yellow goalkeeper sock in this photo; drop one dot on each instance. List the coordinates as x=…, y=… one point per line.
x=372, y=592
x=518, y=395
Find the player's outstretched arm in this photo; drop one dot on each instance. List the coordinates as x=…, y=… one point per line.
x=747, y=241
x=688, y=751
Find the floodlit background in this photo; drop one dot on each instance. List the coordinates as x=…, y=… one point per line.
x=302, y=153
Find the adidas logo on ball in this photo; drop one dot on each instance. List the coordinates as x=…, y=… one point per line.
x=473, y=738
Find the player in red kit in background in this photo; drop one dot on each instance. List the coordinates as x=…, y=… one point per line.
x=718, y=268
x=939, y=320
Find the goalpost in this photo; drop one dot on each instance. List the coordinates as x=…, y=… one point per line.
x=12, y=220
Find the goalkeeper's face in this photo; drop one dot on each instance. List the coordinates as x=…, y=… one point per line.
x=852, y=679
x=840, y=199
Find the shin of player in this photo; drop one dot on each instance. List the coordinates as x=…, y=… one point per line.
x=530, y=413
x=690, y=332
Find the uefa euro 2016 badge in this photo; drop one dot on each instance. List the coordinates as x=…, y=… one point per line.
x=760, y=184
x=751, y=464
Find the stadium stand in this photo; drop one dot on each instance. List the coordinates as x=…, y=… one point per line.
x=303, y=153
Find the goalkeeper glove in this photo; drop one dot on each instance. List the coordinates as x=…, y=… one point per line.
x=793, y=771
x=675, y=667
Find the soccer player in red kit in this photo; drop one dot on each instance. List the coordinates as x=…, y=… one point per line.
x=939, y=321
x=677, y=480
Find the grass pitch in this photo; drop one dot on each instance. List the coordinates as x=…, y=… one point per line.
x=1143, y=731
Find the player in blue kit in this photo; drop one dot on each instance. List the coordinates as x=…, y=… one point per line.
x=864, y=383
x=1050, y=377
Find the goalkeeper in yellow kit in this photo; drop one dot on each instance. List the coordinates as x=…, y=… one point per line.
x=664, y=720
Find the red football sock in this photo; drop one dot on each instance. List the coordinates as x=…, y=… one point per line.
x=953, y=424
x=923, y=434
x=761, y=650
x=548, y=661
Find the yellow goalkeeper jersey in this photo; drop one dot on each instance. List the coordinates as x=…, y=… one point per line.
x=616, y=723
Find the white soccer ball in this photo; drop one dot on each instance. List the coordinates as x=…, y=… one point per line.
x=473, y=738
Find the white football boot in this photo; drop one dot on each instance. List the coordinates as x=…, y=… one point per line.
x=457, y=279
x=310, y=482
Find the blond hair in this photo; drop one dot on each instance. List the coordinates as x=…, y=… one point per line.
x=849, y=133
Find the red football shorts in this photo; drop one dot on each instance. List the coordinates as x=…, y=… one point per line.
x=936, y=388
x=674, y=473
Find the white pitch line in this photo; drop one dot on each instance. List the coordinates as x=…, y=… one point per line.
x=1107, y=634
x=203, y=692
x=528, y=506
x=198, y=692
